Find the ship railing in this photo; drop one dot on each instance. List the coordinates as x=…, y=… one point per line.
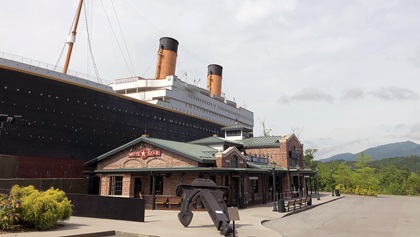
x=51, y=67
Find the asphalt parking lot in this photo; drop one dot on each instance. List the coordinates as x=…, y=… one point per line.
x=355, y=216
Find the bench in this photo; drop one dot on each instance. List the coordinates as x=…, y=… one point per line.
x=176, y=201
x=161, y=201
x=294, y=203
x=289, y=203
x=302, y=202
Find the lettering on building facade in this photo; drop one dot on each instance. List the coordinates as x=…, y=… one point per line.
x=144, y=153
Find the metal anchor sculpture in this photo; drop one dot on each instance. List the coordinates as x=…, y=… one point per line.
x=211, y=196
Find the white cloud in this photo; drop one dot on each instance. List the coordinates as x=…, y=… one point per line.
x=394, y=93
x=414, y=132
x=250, y=11
x=353, y=93
x=307, y=95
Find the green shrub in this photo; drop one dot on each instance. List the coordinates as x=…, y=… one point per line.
x=8, y=211
x=42, y=210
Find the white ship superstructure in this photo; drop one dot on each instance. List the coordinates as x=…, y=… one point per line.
x=175, y=94
x=168, y=91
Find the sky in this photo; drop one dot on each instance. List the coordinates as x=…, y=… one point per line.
x=343, y=75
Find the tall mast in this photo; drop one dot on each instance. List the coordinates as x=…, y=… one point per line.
x=72, y=38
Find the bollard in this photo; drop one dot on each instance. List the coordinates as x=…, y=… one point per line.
x=280, y=206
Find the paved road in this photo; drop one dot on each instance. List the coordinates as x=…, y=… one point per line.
x=355, y=216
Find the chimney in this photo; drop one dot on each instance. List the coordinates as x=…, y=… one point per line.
x=214, y=79
x=166, y=63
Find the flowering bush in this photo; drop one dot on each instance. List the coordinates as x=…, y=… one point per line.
x=8, y=211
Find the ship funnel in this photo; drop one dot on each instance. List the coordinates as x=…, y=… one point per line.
x=214, y=79
x=168, y=48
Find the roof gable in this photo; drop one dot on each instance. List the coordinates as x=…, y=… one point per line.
x=261, y=142
x=195, y=152
x=215, y=140
x=288, y=137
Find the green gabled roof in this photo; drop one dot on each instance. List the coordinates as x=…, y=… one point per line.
x=209, y=140
x=261, y=142
x=195, y=152
x=264, y=166
x=215, y=140
x=237, y=127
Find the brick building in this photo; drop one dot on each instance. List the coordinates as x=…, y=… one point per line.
x=245, y=164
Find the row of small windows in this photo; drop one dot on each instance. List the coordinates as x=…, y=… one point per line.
x=201, y=100
x=103, y=119
x=207, y=112
x=29, y=123
x=200, y=109
x=102, y=106
x=226, y=119
x=70, y=128
x=231, y=112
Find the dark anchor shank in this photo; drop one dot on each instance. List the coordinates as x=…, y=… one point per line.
x=211, y=196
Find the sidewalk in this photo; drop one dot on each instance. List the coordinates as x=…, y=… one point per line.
x=165, y=223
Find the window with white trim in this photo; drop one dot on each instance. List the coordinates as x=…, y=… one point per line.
x=115, y=185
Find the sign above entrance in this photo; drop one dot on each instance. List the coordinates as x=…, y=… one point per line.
x=144, y=153
x=257, y=159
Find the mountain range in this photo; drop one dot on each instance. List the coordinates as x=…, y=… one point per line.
x=398, y=149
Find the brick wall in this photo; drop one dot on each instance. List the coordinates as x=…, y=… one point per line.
x=225, y=159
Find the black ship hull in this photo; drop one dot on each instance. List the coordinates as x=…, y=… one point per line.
x=70, y=124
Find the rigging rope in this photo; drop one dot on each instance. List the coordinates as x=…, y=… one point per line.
x=113, y=32
x=90, y=46
x=125, y=43
x=132, y=11
x=64, y=45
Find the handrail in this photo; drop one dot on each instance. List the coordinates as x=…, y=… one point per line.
x=51, y=67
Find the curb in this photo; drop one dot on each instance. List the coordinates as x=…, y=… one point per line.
x=304, y=209
x=312, y=206
x=93, y=234
x=109, y=233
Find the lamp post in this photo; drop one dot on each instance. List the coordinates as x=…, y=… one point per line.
x=297, y=168
x=317, y=184
x=273, y=166
x=332, y=183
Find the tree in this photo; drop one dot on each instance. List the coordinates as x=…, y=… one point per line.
x=365, y=180
x=344, y=178
x=266, y=132
x=362, y=160
x=412, y=185
x=309, y=159
x=390, y=179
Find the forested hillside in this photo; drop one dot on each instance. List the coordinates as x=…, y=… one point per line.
x=397, y=149
x=411, y=163
x=397, y=176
